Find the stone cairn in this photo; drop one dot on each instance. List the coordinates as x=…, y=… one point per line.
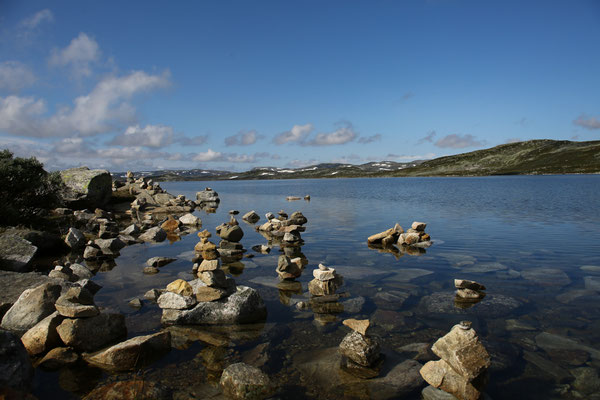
x=230, y=249
x=361, y=355
x=468, y=293
x=284, y=230
x=464, y=361
x=412, y=242
x=208, y=200
x=324, y=300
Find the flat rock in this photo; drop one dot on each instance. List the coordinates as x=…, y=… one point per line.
x=159, y=261
x=356, y=325
x=546, y=276
x=132, y=353
x=549, y=342
x=16, y=253
x=482, y=268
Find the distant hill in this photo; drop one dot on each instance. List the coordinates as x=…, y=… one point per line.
x=521, y=158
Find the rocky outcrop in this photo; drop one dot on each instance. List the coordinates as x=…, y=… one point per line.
x=16, y=370
x=243, y=306
x=16, y=253
x=132, y=353
x=87, y=187
x=243, y=381
x=464, y=361
x=31, y=307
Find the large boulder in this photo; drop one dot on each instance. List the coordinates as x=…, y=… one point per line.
x=43, y=336
x=14, y=283
x=16, y=370
x=31, y=307
x=242, y=307
x=16, y=253
x=90, y=334
x=92, y=187
x=132, y=353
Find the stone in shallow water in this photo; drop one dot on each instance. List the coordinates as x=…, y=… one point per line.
x=483, y=268
x=592, y=269
x=549, y=341
x=467, y=284
x=242, y=307
x=243, y=381
x=592, y=283
x=408, y=274
x=546, y=276
x=360, y=349
x=492, y=306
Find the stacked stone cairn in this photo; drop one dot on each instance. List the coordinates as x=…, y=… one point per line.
x=208, y=200
x=230, y=249
x=361, y=355
x=463, y=365
x=324, y=300
x=468, y=292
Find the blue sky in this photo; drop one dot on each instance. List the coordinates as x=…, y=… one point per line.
x=236, y=84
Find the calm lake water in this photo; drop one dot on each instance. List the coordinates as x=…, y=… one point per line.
x=534, y=241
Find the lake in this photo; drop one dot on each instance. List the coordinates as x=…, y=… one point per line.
x=533, y=241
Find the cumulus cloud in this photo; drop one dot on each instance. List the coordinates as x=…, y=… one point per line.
x=79, y=55
x=14, y=76
x=36, y=19
x=455, y=141
x=343, y=134
x=104, y=109
x=587, y=122
x=243, y=138
x=370, y=139
x=147, y=136
x=427, y=138
x=209, y=155
x=297, y=134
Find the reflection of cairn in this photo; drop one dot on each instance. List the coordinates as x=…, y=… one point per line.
x=468, y=293
x=230, y=248
x=464, y=360
x=285, y=230
x=361, y=354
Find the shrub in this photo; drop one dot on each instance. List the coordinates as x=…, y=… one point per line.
x=26, y=189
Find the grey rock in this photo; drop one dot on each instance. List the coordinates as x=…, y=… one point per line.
x=90, y=334
x=360, y=349
x=231, y=233
x=153, y=294
x=16, y=370
x=170, y=300
x=131, y=230
x=208, y=196
x=132, y=353
x=110, y=246
x=243, y=306
x=135, y=303
x=159, y=261
x=92, y=187
x=156, y=234
x=31, y=307
x=251, y=217
x=75, y=239
x=80, y=272
x=15, y=283
x=190, y=219
x=16, y=253
x=91, y=252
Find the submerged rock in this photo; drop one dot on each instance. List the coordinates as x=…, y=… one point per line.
x=243, y=381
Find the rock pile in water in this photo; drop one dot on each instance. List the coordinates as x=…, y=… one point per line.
x=464, y=361
x=326, y=281
x=468, y=292
x=284, y=229
x=324, y=301
x=361, y=355
x=208, y=195
x=413, y=242
x=230, y=249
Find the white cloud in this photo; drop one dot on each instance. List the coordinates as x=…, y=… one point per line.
x=455, y=141
x=243, y=138
x=148, y=136
x=193, y=141
x=297, y=134
x=342, y=135
x=20, y=115
x=410, y=157
x=209, y=155
x=36, y=19
x=79, y=55
x=587, y=122
x=14, y=76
